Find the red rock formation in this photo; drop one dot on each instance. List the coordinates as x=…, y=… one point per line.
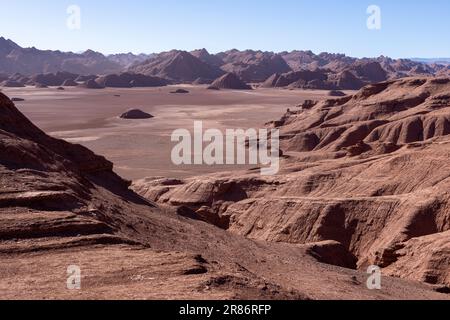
x=230, y=81
x=368, y=171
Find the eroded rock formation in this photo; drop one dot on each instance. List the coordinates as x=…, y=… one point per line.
x=368, y=171
x=61, y=204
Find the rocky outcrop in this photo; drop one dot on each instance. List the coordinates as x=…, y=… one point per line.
x=47, y=187
x=136, y=114
x=370, y=71
x=230, y=81
x=346, y=80
x=395, y=113
x=425, y=258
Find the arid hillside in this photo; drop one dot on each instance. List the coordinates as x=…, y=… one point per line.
x=368, y=171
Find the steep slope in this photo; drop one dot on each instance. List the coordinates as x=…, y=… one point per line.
x=230, y=81
x=369, y=171
x=369, y=71
x=317, y=79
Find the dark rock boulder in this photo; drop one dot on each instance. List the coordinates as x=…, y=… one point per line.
x=135, y=114
x=180, y=91
x=336, y=93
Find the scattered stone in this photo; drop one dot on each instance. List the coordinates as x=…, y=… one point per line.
x=135, y=114
x=180, y=91
x=336, y=93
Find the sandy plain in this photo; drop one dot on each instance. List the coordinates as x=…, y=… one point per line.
x=142, y=148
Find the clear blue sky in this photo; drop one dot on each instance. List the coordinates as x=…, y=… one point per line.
x=410, y=28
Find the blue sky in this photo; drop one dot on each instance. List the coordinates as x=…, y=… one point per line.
x=410, y=28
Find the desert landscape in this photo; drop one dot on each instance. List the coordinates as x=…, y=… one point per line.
x=93, y=206
x=96, y=124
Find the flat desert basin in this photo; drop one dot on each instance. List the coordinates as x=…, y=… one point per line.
x=142, y=148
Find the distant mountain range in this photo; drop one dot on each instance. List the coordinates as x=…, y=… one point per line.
x=29, y=61
x=296, y=69
x=432, y=60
